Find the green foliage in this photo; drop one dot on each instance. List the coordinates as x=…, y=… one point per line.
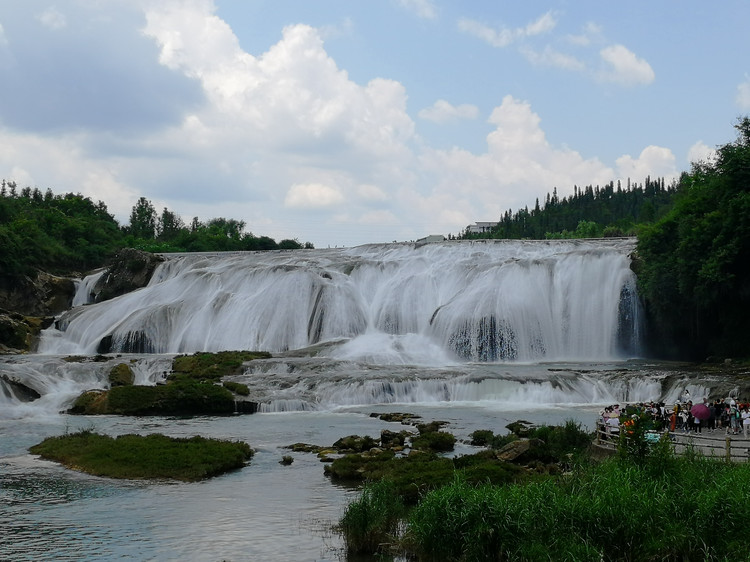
x=182, y=397
x=151, y=456
x=438, y=441
x=414, y=475
x=695, y=261
x=693, y=510
x=236, y=387
x=70, y=233
x=372, y=520
x=591, y=212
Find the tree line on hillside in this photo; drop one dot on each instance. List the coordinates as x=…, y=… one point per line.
x=694, y=263
x=71, y=233
x=591, y=212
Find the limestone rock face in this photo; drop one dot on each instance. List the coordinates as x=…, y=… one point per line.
x=130, y=270
x=17, y=332
x=46, y=295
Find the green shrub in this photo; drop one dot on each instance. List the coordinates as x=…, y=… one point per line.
x=437, y=441
x=481, y=437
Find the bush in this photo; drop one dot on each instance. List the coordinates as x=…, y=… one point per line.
x=437, y=441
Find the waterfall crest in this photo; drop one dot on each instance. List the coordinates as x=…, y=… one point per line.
x=399, y=303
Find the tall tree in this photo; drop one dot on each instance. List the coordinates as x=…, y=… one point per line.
x=143, y=220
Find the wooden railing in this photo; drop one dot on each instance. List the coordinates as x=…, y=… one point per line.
x=711, y=444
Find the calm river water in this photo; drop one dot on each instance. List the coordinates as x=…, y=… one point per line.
x=265, y=511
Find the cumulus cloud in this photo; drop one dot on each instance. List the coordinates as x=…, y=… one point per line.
x=701, y=152
x=423, y=8
x=624, y=67
x=52, y=19
x=505, y=36
x=442, y=111
x=655, y=161
x=743, y=95
x=270, y=136
x=313, y=195
x=518, y=165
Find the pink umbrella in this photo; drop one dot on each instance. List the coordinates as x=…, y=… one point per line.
x=700, y=411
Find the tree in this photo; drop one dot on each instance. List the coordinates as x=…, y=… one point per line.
x=169, y=225
x=695, y=262
x=143, y=220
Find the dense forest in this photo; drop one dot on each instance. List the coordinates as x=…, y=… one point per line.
x=694, y=263
x=70, y=233
x=591, y=212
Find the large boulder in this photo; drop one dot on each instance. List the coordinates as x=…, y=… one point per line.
x=121, y=375
x=516, y=450
x=18, y=333
x=130, y=270
x=43, y=295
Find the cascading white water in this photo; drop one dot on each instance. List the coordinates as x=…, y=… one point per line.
x=395, y=304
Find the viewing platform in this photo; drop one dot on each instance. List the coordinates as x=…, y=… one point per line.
x=710, y=443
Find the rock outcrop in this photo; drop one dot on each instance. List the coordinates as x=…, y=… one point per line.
x=45, y=295
x=130, y=270
x=18, y=332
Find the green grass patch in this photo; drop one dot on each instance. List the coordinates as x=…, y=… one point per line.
x=153, y=456
x=212, y=366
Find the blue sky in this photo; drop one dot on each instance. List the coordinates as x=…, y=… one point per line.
x=343, y=123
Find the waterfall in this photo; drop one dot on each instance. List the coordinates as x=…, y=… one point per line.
x=396, y=303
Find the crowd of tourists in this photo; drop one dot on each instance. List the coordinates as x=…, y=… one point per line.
x=722, y=414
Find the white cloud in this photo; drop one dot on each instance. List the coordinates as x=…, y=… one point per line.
x=654, y=161
x=624, y=67
x=313, y=195
x=371, y=193
x=52, y=18
x=518, y=166
x=743, y=95
x=701, y=152
x=423, y=8
x=504, y=36
x=553, y=58
x=442, y=111
x=591, y=32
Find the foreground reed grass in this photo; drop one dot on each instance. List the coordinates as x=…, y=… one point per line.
x=614, y=511
x=644, y=504
x=152, y=456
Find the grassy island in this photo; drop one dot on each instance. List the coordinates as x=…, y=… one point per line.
x=153, y=456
